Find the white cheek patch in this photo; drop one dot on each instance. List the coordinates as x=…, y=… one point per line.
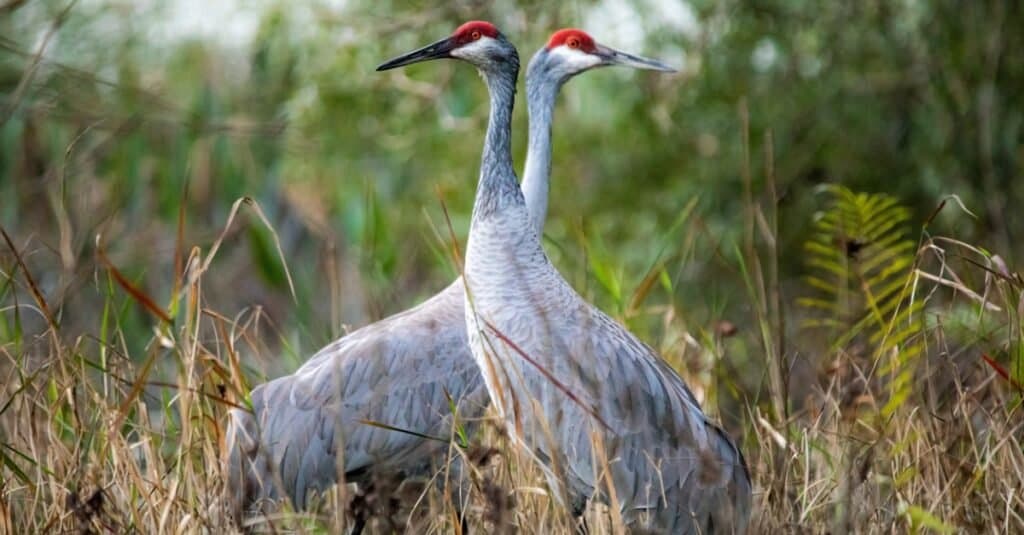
x=474, y=49
x=574, y=59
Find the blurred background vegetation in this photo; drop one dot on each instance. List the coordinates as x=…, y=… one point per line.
x=119, y=120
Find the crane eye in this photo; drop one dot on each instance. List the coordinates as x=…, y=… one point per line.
x=475, y=35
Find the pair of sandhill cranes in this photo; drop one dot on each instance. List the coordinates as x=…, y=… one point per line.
x=606, y=417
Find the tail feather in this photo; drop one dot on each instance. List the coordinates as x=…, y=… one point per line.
x=733, y=516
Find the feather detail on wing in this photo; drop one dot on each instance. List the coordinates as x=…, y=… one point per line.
x=309, y=428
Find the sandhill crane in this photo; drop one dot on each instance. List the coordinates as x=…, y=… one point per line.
x=307, y=428
x=605, y=415
x=396, y=372
x=548, y=71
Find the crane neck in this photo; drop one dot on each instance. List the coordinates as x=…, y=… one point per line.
x=541, y=91
x=498, y=187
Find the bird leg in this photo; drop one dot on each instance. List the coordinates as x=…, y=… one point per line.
x=360, y=507
x=578, y=508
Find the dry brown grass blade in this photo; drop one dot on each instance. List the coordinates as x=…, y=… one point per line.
x=456, y=253
x=277, y=242
x=237, y=378
x=942, y=204
x=6, y=524
x=249, y=201
x=137, y=294
x=548, y=375
x=960, y=288
x=36, y=294
x=931, y=217
x=603, y=472
x=137, y=386
x=214, y=366
x=1009, y=278
x=173, y=386
x=645, y=286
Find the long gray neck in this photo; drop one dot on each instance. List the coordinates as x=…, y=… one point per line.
x=498, y=187
x=541, y=90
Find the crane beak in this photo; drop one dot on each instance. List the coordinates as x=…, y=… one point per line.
x=610, y=56
x=437, y=50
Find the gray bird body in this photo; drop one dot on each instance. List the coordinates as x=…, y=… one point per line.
x=617, y=407
x=308, y=427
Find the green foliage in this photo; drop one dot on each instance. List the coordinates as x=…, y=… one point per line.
x=923, y=521
x=116, y=130
x=861, y=272
x=293, y=115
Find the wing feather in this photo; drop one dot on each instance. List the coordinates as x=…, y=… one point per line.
x=663, y=450
x=394, y=372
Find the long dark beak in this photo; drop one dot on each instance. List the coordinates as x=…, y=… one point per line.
x=437, y=50
x=610, y=56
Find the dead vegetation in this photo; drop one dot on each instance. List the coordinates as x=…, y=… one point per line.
x=100, y=435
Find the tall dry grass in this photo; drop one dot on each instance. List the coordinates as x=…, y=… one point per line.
x=117, y=380
x=94, y=439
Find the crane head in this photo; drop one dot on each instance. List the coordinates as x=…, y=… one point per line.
x=477, y=42
x=570, y=51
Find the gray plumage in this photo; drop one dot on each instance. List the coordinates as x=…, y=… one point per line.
x=673, y=471
x=307, y=428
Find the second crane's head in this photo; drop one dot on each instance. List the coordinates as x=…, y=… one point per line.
x=477, y=42
x=570, y=52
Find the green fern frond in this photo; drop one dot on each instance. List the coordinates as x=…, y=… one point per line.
x=860, y=275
